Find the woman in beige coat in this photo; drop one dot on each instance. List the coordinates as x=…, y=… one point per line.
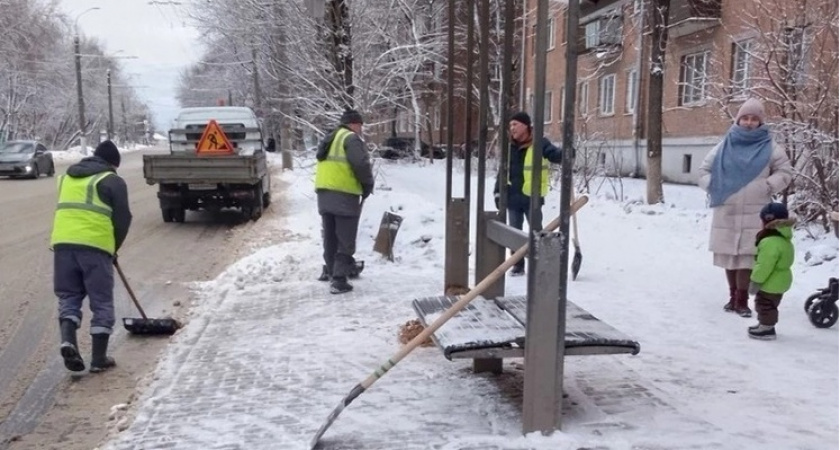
x=741, y=174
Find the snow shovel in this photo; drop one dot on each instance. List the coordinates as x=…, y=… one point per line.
x=462, y=302
x=578, y=258
x=145, y=326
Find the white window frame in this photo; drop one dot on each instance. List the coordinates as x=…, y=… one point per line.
x=592, y=34
x=583, y=98
x=630, y=97
x=693, y=80
x=552, y=33
x=548, y=107
x=606, y=95
x=741, y=67
x=560, y=104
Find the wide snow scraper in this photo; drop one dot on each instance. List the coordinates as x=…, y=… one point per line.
x=144, y=325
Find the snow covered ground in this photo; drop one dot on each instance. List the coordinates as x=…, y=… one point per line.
x=269, y=352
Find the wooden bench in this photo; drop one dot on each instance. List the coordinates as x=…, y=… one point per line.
x=495, y=329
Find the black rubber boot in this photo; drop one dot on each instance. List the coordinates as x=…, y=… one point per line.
x=325, y=274
x=69, y=347
x=340, y=285
x=100, y=361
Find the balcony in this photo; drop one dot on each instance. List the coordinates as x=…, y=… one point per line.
x=691, y=16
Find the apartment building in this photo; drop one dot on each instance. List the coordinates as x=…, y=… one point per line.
x=717, y=55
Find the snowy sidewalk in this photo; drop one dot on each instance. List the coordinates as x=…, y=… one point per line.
x=269, y=352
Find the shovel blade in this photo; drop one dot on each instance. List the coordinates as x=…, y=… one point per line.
x=148, y=327
x=576, y=262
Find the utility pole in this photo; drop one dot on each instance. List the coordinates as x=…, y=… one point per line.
x=125, y=125
x=81, y=100
x=110, y=108
x=257, y=93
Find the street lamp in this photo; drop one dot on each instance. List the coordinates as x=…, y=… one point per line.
x=78, y=57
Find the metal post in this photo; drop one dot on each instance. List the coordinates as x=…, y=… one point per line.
x=468, y=123
x=110, y=107
x=257, y=92
x=78, y=57
x=483, y=110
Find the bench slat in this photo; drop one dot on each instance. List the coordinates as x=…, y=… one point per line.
x=584, y=332
x=480, y=325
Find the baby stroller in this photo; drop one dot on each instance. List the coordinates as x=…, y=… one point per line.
x=821, y=306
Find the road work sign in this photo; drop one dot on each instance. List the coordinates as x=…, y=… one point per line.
x=214, y=141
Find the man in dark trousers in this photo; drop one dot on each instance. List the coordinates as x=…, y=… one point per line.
x=91, y=222
x=520, y=172
x=343, y=179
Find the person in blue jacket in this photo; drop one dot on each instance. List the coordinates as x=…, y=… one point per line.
x=520, y=171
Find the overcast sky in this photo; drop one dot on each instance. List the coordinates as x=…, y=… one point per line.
x=157, y=34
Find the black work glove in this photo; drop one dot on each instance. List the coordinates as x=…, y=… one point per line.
x=496, y=199
x=754, y=288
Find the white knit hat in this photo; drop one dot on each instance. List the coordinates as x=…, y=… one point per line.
x=752, y=106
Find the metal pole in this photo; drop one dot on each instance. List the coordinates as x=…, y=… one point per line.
x=507, y=85
x=522, y=71
x=637, y=123
x=469, y=84
x=257, y=92
x=535, y=213
x=78, y=57
x=483, y=110
x=110, y=107
x=450, y=101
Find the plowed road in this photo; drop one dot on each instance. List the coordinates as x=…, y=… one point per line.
x=40, y=404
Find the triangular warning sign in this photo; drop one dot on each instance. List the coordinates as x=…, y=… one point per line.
x=214, y=141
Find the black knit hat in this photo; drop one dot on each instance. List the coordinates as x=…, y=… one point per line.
x=351, y=116
x=522, y=117
x=109, y=152
x=774, y=211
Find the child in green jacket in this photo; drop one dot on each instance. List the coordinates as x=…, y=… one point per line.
x=771, y=276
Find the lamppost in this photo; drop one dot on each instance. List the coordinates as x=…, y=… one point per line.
x=78, y=56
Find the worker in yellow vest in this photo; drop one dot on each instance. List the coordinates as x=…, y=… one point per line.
x=520, y=172
x=91, y=222
x=343, y=179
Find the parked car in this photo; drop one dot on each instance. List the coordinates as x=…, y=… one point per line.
x=25, y=159
x=396, y=147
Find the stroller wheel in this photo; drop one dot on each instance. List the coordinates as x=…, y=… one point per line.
x=810, y=301
x=823, y=314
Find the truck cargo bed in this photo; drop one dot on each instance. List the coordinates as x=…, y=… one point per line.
x=191, y=168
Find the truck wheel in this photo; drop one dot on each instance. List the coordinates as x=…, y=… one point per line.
x=167, y=214
x=266, y=199
x=179, y=214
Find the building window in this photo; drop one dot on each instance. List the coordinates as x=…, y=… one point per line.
x=741, y=62
x=606, y=95
x=561, y=104
x=686, y=164
x=552, y=33
x=583, y=98
x=795, y=41
x=632, y=91
x=529, y=105
x=605, y=30
x=692, y=86
x=548, y=107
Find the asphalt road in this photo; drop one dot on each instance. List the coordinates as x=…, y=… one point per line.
x=157, y=257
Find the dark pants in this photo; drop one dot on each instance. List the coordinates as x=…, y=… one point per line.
x=339, y=243
x=517, y=214
x=85, y=273
x=767, y=307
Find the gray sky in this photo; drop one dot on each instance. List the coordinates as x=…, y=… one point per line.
x=156, y=34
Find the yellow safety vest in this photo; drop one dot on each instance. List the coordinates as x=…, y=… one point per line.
x=81, y=217
x=334, y=172
x=527, y=173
